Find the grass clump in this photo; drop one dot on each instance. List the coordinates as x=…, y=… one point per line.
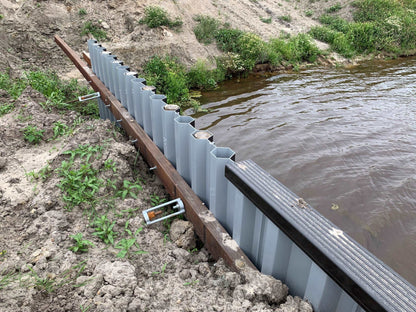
x=265, y=20
x=285, y=18
x=94, y=29
x=155, y=16
x=334, y=8
x=206, y=28
x=82, y=12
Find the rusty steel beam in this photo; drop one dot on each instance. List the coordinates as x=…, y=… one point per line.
x=210, y=231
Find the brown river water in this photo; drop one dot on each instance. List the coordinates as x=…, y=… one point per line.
x=343, y=139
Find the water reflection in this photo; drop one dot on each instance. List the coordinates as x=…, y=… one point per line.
x=334, y=136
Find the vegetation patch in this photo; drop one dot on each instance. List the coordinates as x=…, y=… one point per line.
x=60, y=94
x=379, y=26
x=94, y=29
x=155, y=16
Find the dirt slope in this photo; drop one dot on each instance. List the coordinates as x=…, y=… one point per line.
x=27, y=27
x=161, y=272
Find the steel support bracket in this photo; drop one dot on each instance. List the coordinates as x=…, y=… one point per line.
x=151, y=215
x=88, y=97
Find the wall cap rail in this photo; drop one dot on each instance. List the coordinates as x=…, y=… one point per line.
x=370, y=282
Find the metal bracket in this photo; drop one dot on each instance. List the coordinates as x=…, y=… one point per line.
x=89, y=97
x=150, y=215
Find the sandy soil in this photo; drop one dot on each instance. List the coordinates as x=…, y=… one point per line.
x=27, y=27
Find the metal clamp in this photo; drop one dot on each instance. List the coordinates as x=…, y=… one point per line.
x=151, y=215
x=89, y=97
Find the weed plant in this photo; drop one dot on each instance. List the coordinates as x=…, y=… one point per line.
x=155, y=16
x=60, y=129
x=81, y=245
x=129, y=189
x=104, y=229
x=32, y=134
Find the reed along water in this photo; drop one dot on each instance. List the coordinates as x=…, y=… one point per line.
x=344, y=139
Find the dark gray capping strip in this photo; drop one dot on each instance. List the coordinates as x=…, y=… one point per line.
x=370, y=282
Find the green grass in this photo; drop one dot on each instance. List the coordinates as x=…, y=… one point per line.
x=155, y=16
x=60, y=94
x=95, y=30
x=334, y=8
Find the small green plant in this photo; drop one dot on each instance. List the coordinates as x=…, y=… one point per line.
x=82, y=12
x=155, y=200
x=110, y=164
x=191, y=283
x=129, y=189
x=43, y=173
x=162, y=271
x=125, y=244
x=94, y=29
x=104, y=229
x=334, y=8
x=81, y=245
x=155, y=16
x=206, y=28
x=267, y=20
x=85, y=152
x=84, y=309
x=32, y=134
x=59, y=129
x=1, y=16
x=308, y=13
x=285, y=18
x=6, y=108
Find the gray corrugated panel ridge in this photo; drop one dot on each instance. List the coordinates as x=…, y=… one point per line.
x=369, y=281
